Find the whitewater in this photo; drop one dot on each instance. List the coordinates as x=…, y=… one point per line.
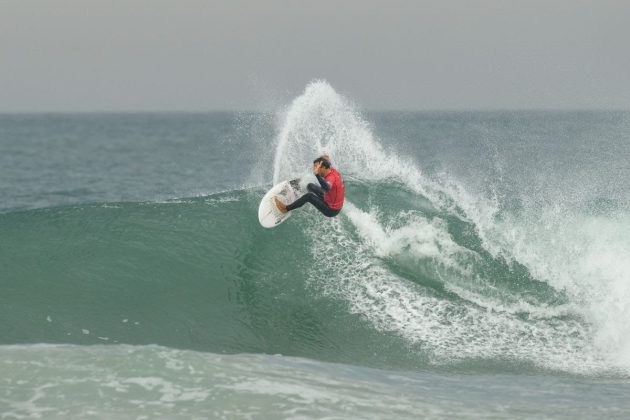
x=480, y=266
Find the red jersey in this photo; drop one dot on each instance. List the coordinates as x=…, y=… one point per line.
x=335, y=195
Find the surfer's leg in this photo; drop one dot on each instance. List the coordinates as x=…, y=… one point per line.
x=300, y=201
x=316, y=201
x=315, y=189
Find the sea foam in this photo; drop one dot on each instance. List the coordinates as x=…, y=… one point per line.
x=583, y=260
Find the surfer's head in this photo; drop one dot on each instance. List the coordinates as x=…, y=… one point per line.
x=325, y=163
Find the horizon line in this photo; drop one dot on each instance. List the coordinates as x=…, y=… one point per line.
x=259, y=111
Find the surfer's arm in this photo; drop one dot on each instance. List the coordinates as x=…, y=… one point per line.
x=322, y=181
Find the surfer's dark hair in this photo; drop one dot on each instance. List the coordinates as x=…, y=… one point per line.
x=325, y=163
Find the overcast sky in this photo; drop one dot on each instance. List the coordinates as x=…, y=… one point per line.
x=189, y=55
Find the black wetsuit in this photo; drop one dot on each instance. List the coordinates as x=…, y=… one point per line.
x=315, y=196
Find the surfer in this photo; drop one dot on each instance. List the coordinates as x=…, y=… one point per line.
x=327, y=197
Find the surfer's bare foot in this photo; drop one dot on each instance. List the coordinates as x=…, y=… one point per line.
x=281, y=206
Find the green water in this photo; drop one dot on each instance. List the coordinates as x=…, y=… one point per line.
x=479, y=266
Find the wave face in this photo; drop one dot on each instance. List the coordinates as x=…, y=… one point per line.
x=469, y=242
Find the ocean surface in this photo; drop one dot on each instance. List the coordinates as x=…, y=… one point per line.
x=480, y=266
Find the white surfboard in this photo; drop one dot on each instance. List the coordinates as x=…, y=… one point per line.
x=268, y=213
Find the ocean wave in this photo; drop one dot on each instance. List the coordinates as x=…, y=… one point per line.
x=418, y=272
